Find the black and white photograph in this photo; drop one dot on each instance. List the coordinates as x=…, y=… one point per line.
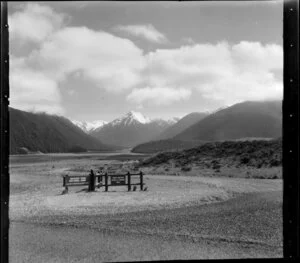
x=145, y=131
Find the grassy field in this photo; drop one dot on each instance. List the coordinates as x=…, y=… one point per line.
x=191, y=215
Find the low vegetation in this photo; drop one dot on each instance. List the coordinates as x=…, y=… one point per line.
x=218, y=155
x=165, y=145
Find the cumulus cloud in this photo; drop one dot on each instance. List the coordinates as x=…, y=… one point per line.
x=32, y=90
x=148, y=32
x=222, y=72
x=230, y=74
x=34, y=23
x=111, y=62
x=255, y=56
x=251, y=77
x=158, y=96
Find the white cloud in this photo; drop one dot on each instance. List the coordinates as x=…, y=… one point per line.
x=251, y=77
x=188, y=66
x=148, y=32
x=35, y=23
x=255, y=56
x=223, y=72
x=111, y=62
x=158, y=96
x=32, y=90
x=230, y=74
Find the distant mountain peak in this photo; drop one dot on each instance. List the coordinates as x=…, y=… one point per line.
x=130, y=118
x=173, y=120
x=138, y=116
x=131, y=129
x=89, y=126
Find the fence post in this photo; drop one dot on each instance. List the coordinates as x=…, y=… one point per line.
x=66, y=183
x=92, y=181
x=129, y=181
x=106, y=182
x=141, y=180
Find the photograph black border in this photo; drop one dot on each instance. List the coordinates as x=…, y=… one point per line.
x=290, y=135
x=4, y=133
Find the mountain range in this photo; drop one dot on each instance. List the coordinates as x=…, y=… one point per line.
x=40, y=132
x=89, y=127
x=250, y=120
x=50, y=133
x=131, y=129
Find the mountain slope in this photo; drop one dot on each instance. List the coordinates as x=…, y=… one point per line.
x=247, y=119
x=48, y=133
x=131, y=129
x=181, y=125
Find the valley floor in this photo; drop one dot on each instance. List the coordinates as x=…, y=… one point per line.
x=179, y=217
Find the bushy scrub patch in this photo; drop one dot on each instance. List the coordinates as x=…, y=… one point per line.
x=214, y=155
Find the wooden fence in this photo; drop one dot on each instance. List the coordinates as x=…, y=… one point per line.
x=104, y=180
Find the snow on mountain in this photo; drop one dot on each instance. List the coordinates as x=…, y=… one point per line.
x=163, y=123
x=131, y=129
x=89, y=126
x=131, y=117
x=173, y=120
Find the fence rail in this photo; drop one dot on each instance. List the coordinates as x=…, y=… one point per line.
x=103, y=180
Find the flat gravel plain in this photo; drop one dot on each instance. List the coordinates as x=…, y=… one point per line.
x=249, y=226
x=242, y=220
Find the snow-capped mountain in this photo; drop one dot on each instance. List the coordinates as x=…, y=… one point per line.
x=164, y=123
x=173, y=120
x=130, y=118
x=88, y=127
x=131, y=129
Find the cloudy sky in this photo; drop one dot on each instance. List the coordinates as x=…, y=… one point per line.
x=99, y=60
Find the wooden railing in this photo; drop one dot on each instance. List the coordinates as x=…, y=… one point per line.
x=103, y=180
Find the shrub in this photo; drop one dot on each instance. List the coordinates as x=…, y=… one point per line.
x=186, y=168
x=22, y=150
x=245, y=159
x=77, y=149
x=275, y=162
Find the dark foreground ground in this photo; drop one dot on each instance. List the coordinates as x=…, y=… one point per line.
x=247, y=226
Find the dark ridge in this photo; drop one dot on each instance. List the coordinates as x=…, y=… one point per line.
x=41, y=132
x=242, y=120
